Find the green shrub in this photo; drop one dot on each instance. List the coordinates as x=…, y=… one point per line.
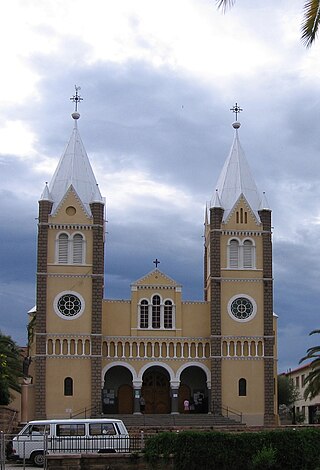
x=264, y=459
x=281, y=449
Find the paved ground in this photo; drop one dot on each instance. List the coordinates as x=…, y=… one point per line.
x=19, y=466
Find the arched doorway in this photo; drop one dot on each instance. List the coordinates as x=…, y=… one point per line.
x=156, y=390
x=117, y=393
x=193, y=387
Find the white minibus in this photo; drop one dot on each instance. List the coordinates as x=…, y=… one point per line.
x=38, y=438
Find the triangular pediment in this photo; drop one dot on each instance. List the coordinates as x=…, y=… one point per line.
x=242, y=215
x=155, y=278
x=71, y=209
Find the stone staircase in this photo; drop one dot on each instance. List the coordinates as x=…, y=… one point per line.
x=154, y=423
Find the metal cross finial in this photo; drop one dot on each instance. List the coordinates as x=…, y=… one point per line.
x=76, y=98
x=156, y=262
x=236, y=109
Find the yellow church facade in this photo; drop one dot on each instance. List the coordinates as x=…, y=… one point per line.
x=154, y=351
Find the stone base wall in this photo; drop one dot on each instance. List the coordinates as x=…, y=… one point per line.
x=103, y=462
x=8, y=419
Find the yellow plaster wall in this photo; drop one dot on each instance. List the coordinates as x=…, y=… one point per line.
x=116, y=318
x=57, y=370
x=196, y=319
x=253, y=372
x=56, y=285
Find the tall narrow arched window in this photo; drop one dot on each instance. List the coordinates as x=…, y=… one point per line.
x=63, y=248
x=68, y=387
x=242, y=388
x=167, y=314
x=144, y=314
x=248, y=255
x=156, y=311
x=78, y=244
x=234, y=254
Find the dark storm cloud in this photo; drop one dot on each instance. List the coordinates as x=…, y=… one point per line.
x=176, y=130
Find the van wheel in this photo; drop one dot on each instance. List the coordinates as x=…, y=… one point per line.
x=37, y=459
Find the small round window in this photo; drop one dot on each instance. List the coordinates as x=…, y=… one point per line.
x=69, y=305
x=242, y=308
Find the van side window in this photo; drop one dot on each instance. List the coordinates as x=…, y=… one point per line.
x=98, y=429
x=70, y=429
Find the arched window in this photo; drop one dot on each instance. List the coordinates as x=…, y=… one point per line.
x=63, y=248
x=242, y=388
x=247, y=254
x=241, y=255
x=156, y=311
x=70, y=250
x=68, y=387
x=234, y=254
x=144, y=314
x=78, y=244
x=167, y=314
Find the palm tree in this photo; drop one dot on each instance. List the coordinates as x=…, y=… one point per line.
x=312, y=381
x=310, y=22
x=10, y=368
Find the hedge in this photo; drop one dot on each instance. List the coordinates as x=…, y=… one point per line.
x=281, y=449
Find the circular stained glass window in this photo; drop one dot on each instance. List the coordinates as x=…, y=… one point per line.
x=242, y=308
x=69, y=305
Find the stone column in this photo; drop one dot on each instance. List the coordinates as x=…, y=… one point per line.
x=209, y=398
x=174, y=397
x=137, y=385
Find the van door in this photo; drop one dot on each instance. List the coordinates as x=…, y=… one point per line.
x=68, y=438
x=31, y=440
x=104, y=437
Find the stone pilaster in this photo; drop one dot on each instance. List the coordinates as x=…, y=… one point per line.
x=269, y=342
x=41, y=303
x=216, y=215
x=97, y=210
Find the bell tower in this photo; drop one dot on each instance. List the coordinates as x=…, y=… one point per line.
x=239, y=286
x=70, y=280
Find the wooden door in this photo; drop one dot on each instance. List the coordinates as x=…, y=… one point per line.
x=156, y=392
x=125, y=399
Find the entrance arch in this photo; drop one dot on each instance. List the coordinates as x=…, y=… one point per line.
x=117, y=392
x=156, y=390
x=193, y=387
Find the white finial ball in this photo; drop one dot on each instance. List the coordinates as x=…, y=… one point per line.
x=75, y=115
x=236, y=125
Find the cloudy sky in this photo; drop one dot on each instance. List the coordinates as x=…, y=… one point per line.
x=158, y=80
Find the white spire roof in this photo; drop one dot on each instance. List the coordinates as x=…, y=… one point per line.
x=236, y=180
x=74, y=170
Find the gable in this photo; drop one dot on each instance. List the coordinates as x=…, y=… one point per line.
x=155, y=278
x=242, y=217
x=70, y=209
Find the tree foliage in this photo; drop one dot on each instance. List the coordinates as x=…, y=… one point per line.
x=10, y=368
x=312, y=381
x=288, y=393
x=310, y=21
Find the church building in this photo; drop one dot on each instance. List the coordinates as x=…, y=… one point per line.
x=93, y=356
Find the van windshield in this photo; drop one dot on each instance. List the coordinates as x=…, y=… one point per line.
x=36, y=430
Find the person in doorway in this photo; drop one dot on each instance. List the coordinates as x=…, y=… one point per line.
x=142, y=404
x=186, y=406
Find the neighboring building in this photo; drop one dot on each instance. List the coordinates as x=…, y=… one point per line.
x=309, y=409
x=102, y=355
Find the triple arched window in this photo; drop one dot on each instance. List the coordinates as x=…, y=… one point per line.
x=156, y=314
x=241, y=254
x=70, y=249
